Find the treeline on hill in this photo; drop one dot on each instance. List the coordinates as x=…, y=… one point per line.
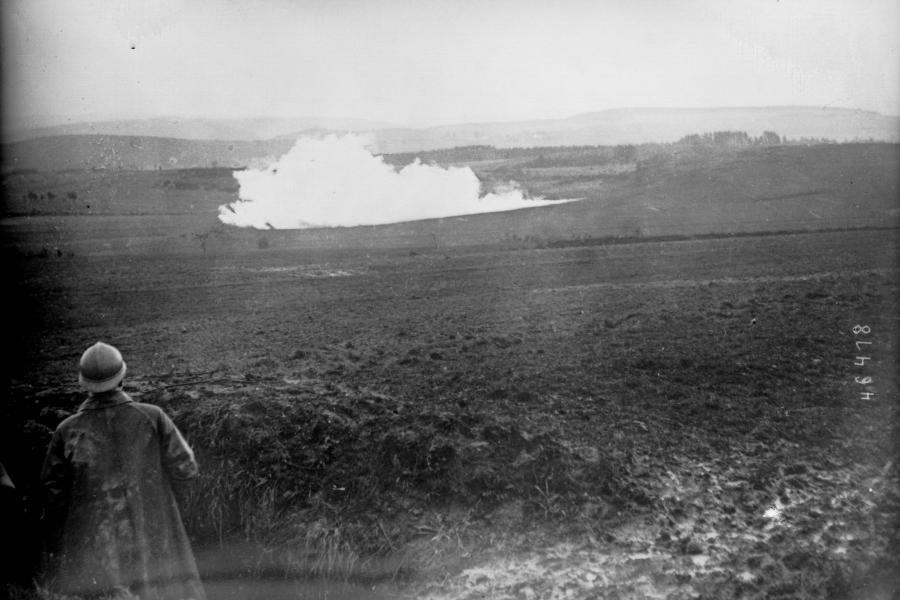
x=577, y=156
x=732, y=138
x=537, y=157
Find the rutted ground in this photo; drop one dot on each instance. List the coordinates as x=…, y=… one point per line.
x=714, y=534
x=716, y=376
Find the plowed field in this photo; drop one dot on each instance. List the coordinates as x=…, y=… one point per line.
x=718, y=380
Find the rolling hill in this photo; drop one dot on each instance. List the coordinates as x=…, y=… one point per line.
x=748, y=191
x=244, y=129
x=139, y=153
x=650, y=125
x=190, y=143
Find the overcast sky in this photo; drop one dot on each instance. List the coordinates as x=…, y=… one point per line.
x=438, y=62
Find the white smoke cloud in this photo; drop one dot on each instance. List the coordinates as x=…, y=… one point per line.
x=335, y=182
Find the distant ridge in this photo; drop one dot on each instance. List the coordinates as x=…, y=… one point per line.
x=648, y=125
x=192, y=128
x=138, y=153
x=181, y=143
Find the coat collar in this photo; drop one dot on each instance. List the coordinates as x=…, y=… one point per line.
x=105, y=400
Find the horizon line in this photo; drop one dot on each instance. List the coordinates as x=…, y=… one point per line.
x=380, y=124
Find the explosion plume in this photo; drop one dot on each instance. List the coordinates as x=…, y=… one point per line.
x=336, y=182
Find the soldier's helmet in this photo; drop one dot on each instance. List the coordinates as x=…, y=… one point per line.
x=101, y=368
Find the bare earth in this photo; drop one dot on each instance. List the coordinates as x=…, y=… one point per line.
x=719, y=376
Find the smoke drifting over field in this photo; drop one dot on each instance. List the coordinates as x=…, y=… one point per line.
x=335, y=181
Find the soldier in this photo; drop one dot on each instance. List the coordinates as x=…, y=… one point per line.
x=111, y=509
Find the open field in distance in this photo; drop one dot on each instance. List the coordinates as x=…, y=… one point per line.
x=651, y=392
x=781, y=188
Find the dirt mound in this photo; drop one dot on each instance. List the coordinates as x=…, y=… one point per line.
x=309, y=463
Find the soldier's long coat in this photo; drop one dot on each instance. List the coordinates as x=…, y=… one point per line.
x=108, y=476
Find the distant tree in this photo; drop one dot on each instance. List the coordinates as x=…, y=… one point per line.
x=770, y=138
x=731, y=138
x=624, y=153
x=720, y=139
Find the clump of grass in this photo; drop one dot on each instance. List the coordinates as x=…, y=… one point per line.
x=335, y=477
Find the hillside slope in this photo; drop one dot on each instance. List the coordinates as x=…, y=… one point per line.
x=651, y=125
x=244, y=129
x=141, y=153
x=160, y=143
x=756, y=190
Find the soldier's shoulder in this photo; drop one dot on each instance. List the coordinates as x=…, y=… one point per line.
x=147, y=408
x=151, y=412
x=69, y=421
